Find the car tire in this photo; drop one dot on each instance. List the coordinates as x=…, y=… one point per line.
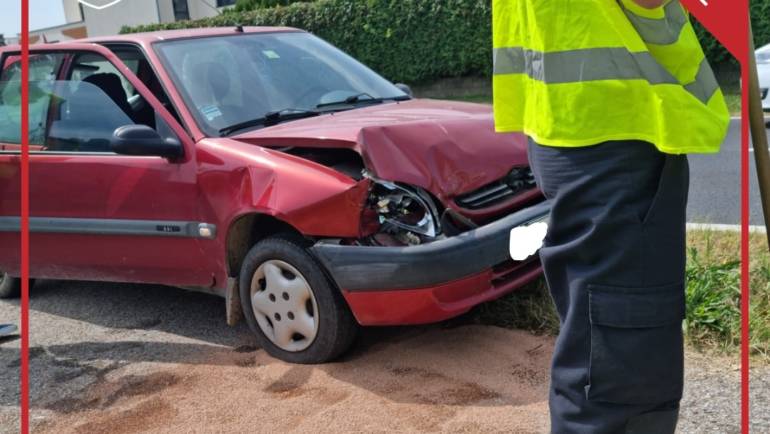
x=296, y=312
x=10, y=287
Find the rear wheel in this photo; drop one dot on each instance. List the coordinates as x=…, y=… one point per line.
x=295, y=311
x=10, y=287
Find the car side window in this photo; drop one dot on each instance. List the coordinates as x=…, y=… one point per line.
x=43, y=70
x=84, y=117
x=94, y=101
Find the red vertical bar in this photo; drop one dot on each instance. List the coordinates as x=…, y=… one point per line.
x=24, y=217
x=745, y=251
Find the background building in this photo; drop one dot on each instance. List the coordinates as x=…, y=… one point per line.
x=84, y=21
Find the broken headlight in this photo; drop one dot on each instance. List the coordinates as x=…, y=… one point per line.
x=408, y=213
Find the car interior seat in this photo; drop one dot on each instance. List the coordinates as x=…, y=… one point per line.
x=110, y=84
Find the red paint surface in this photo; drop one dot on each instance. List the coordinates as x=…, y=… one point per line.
x=442, y=146
x=727, y=20
x=429, y=305
x=745, y=259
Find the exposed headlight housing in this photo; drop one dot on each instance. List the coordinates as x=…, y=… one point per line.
x=403, y=208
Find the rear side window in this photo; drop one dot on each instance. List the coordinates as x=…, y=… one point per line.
x=43, y=70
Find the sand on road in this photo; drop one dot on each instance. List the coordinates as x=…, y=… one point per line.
x=468, y=379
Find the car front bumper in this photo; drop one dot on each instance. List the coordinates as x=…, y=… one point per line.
x=431, y=282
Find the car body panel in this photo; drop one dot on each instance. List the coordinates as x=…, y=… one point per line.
x=437, y=303
x=447, y=148
x=437, y=145
x=110, y=187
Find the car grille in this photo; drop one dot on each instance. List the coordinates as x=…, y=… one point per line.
x=518, y=180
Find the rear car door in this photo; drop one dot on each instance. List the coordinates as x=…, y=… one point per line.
x=95, y=214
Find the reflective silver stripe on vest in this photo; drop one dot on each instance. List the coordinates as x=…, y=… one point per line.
x=575, y=66
x=595, y=64
x=705, y=85
x=660, y=31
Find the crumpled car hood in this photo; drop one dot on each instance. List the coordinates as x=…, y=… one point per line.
x=446, y=147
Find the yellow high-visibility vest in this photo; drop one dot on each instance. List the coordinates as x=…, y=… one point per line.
x=576, y=73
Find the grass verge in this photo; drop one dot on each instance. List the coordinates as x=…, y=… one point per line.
x=733, y=100
x=713, y=320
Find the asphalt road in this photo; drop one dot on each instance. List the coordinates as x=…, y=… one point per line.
x=715, y=184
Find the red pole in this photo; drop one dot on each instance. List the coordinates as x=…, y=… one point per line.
x=24, y=217
x=745, y=254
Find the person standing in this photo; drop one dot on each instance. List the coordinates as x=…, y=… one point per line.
x=613, y=94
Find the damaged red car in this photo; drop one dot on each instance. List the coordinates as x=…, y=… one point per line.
x=268, y=167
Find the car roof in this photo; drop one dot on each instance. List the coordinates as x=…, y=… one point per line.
x=165, y=35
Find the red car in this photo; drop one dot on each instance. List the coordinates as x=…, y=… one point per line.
x=268, y=167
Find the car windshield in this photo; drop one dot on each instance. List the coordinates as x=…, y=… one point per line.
x=235, y=80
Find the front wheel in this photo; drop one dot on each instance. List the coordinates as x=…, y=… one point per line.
x=295, y=311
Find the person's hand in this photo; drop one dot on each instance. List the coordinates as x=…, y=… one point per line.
x=650, y=4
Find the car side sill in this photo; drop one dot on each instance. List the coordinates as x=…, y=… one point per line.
x=154, y=228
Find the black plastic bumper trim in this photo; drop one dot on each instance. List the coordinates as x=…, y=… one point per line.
x=365, y=268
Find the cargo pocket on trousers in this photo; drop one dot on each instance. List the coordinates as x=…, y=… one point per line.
x=637, y=354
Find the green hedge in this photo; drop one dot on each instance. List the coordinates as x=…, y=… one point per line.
x=247, y=5
x=414, y=41
x=760, y=21
x=410, y=41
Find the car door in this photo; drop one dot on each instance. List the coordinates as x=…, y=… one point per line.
x=41, y=68
x=95, y=214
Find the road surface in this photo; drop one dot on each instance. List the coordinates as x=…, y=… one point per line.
x=715, y=184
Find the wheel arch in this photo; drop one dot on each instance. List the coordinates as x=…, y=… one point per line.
x=245, y=231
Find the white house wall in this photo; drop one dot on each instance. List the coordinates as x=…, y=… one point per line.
x=166, y=9
x=108, y=21
x=202, y=8
x=72, y=11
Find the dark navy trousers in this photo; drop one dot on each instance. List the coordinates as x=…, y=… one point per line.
x=614, y=260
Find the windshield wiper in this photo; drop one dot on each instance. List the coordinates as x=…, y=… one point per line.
x=270, y=119
x=362, y=98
